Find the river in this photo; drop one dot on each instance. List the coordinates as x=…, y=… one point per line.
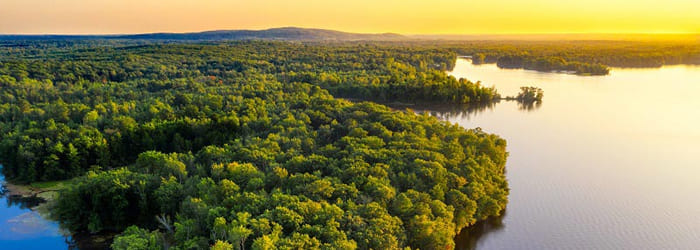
x=604, y=162
x=22, y=228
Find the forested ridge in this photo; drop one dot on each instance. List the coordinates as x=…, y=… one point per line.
x=282, y=33
x=242, y=145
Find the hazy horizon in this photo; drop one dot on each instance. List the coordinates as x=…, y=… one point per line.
x=443, y=17
x=379, y=32
x=447, y=36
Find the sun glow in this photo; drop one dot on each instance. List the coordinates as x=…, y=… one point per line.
x=400, y=16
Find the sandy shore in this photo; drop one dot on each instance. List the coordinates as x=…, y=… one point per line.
x=19, y=190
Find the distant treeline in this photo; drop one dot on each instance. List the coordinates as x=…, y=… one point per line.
x=278, y=34
x=581, y=57
x=376, y=71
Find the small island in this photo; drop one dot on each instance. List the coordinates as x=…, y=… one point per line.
x=527, y=95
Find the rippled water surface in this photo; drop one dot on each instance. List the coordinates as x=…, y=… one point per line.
x=604, y=162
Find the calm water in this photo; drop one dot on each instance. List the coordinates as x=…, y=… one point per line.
x=22, y=228
x=605, y=162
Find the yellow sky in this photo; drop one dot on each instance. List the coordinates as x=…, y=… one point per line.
x=374, y=16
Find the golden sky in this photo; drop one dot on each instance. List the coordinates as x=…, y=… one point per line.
x=372, y=16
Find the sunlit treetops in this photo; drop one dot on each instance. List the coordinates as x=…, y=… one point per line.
x=242, y=145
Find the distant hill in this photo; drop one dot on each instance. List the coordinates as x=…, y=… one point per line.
x=288, y=33
x=307, y=34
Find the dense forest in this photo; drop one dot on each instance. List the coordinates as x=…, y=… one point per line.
x=248, y=144
x=380, y=72
x=242, y=146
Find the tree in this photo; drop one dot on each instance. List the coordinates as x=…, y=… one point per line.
x=221, y=245
x=243, y=145
x=164, y=165
x=135, y=238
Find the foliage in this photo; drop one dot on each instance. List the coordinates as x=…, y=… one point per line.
x=134, y=238
x=530, y=94
x=241, y=145
x=107, y=201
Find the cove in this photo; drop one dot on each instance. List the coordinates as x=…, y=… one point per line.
x=23, y=228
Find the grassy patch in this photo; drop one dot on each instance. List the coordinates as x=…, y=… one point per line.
x=49, y=184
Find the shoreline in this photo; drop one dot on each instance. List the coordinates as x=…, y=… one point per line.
x=39, y=196
x=42, y=197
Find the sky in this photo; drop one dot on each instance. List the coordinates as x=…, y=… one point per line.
x=364, y=16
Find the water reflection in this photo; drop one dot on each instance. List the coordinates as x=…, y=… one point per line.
x=446, y=111
x=24, y=202
x=23, y=228
x=529, y=105
x=87, y=241
x=608, y=162
x=20, y=201
x=463, y=111
x=468, y=238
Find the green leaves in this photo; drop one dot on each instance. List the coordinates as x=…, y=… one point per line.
x=109, y=200
x=135, y=238
x=242, y=145
x=164, y=165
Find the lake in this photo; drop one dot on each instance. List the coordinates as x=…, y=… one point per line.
x=604, y=162
x=22, y=228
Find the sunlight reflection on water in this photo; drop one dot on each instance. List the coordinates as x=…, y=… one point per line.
x=606, y=162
